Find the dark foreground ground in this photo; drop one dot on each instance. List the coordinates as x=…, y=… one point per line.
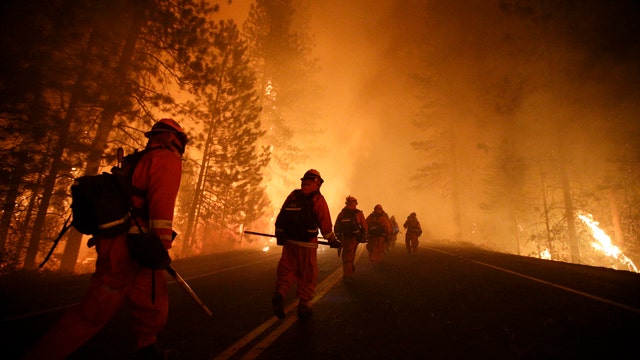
x=447, y=302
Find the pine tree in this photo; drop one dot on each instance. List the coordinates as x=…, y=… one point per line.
x=228, y=193
x=280, y=47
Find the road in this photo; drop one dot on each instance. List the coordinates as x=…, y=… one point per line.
x=447, y=302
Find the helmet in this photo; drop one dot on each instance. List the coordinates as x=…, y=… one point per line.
x=412, y=214
x=378, y=207
x=351, y=199
x=313, y=175
x=168, y=125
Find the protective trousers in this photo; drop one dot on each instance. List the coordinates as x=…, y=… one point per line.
x=116, y=280
x=376, y=247
x=349, y=247
x=412, y=242
x=297, y=265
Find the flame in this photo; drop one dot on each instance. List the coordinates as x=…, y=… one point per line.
x=603, y=242
x=545, y=254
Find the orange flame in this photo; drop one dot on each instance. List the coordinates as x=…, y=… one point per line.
x=545, y=254
x=603, y=242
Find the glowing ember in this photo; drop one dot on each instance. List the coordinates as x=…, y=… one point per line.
x=603, y=242
x=265, y=249
x=545, y=254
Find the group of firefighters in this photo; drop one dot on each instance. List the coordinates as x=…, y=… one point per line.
x=298, y=263
x=377, y=230
x=120, y=278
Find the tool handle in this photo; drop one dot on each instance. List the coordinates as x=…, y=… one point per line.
x=187, y=288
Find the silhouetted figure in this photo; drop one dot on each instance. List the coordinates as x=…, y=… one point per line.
x=414, y=230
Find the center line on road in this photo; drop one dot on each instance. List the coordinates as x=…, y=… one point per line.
x=321, y=289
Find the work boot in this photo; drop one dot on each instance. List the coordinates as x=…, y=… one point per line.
x=153, y=352
x=278, y=305
x=304, y=311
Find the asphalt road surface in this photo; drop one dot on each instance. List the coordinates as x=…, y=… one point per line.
x=449, y=301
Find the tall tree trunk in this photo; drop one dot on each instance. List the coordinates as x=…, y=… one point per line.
x=547, y=222
x=190, y=231
x=22, y=236
x=572, y=238
x=49, y=185
x=56, y=155
x=455, y=187
x=112, y=107
x=10, y=204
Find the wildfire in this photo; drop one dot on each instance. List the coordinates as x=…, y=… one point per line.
x=545, y=254
x=603, y=242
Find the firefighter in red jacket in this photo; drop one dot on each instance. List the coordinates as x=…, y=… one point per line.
x=414, y=230
x=299, y=263
x=351, y=229
x=117, y=278
x=379, y=227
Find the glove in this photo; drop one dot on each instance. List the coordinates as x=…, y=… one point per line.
x=147, y=250
x=335, y=244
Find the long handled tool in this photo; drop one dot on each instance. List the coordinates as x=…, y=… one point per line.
x=270, y=235
x=187, y=288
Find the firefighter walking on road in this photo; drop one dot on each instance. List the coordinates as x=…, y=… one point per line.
x=351, y=229
x=379, y=228
x=117, y=278
x=395, y=229
x=297, y=232
x=413, y=232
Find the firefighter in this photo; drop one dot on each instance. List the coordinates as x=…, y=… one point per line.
x=391, y=241
x=351, y=229
x=414, y=230
x=379, y=228
x=298, y=263
x=117, y=278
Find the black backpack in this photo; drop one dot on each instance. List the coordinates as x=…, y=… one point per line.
x=348, y=224
x=296, y=220
x=101, y=204
x=373, y=223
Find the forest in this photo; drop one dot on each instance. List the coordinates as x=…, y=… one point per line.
x=83, y=78
x=514, y=122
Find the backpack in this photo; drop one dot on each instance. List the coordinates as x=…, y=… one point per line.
x=101, y=204
x=296, y=220
x=413, y=226
x=348, y=225
x=394, y=227
x=375, y=228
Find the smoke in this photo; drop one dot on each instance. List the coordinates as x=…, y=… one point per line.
x=367, y=55
x=499, y=76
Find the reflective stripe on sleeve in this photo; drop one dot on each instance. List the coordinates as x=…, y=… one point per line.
x=161, y=224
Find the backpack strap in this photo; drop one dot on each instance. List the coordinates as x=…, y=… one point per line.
x=140, y=212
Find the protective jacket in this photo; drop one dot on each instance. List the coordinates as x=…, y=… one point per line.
x=117, y=279
x=157, y=180
x=348, y=213
x=298, y=263
x=377, y=240
x=349, y=239
x=414, y=230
